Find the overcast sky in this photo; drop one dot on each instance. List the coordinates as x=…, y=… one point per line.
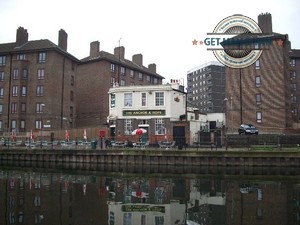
x=162, y=30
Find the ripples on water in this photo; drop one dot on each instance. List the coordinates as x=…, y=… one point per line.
x=104, y=194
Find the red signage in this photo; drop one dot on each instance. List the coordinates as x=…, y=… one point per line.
x=101, y=133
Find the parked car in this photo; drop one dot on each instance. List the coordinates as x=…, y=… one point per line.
x=247, y=129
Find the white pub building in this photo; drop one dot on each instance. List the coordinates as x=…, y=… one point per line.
x=158, y=109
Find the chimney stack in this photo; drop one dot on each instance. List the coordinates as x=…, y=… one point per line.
x=152, y=67
x=22, y=36
x=265, y=23
x=119, y=52
x=138, y=59
x=63, y=39
x=94, y=49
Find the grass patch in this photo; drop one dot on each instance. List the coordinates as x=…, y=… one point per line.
x=263, y=148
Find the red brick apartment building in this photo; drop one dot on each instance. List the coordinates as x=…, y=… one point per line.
x=102, y=70
x=44, y=88
x=265, y=93
x=37, y=84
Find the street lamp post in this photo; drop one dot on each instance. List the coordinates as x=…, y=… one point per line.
x=42, y=111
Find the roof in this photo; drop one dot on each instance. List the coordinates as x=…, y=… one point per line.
x=33, y=46
x=112, y=58
x=211, y=63
x=295, y=53
x=248, y=38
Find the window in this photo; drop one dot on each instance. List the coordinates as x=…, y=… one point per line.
x=15, y=74
x=13, y=124
x=40, y=74
x=140, y=76
x=128, y=99
x=1, y=124
x=112, y=100
x=258, y=117
x=71, y=111
x=293, y=75
x=257, y=81
x=159, y=99
x=122, y=83
x=41, y=57
x=257, y=64
x=159, y=220
x=24, y=74
x=131, y=73
x=295, y=111
x=112, y=67
x=1, y=92
x=155, y=81
x=122, y=70
x=144, y=99
x=293, y=62
x=293, y=98
x=39, y=90
x=258, y=99
x=112, y=81
x=148, y=78
x=1, y=108
x=13, y=107
x=1, y=75
x=23, y=107
x=293, y=86
x=14, y=91
x=21, y=57
x=2, y=60
x=128, y=126
x=159, y=126
x=22, y=124
x=72, y=80
x=24, y=91
x=71, y=96
x=38, y=124
x=39, y=107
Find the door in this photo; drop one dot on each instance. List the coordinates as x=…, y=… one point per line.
x=179, y=135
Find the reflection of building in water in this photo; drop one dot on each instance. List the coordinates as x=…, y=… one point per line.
x=158, y=214
x=207, y=202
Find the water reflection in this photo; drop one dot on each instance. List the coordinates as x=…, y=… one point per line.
x=36, y=197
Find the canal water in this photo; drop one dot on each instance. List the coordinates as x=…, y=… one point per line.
x=206, y=196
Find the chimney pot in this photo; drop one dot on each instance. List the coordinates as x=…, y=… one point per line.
x=22, y=36
x=94, y=49
x=138, y=59
x=119, y=52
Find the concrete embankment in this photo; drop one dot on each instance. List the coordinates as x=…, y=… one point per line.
x=283, y=158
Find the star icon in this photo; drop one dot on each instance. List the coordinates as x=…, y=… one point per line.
x=279, y=42
x=195, y=42
x=201, y=42
x=274, y=42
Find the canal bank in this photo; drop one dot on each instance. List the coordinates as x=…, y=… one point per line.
x=241, y=157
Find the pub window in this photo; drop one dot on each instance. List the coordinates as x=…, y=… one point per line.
x=128, y=126
x=112, y=100
x=159, y=126
x=128, y=99
x=159, y=99
x=144, y=99
x=41, y=57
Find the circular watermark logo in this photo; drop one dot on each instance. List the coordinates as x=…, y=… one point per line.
x=239, y=51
